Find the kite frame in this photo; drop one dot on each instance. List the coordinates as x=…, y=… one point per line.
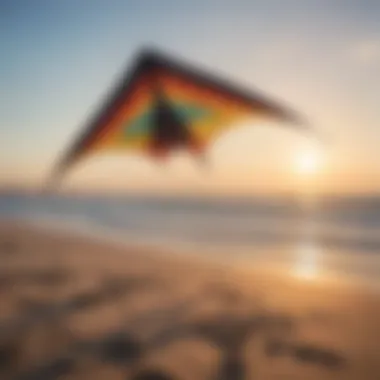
x=151, y=60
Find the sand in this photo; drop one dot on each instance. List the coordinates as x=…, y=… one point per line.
x=76, y=308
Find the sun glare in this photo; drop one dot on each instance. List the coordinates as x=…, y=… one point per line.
x=309, y=161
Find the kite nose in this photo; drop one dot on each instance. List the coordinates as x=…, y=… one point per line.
x=198, y=150
x=195, y=146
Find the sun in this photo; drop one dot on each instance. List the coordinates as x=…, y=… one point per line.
x=309, y=161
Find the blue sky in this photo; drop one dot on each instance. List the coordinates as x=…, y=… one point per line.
x=321, y=57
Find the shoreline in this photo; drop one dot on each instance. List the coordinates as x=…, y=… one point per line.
x=193, y=254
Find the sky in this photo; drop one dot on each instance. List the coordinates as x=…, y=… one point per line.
x=59, y=60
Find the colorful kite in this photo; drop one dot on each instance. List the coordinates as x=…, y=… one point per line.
x=162, y=105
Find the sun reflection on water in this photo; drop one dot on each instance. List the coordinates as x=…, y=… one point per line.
x=306, y=265
x=308, y=252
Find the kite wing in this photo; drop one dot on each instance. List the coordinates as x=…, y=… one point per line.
x=205, y=103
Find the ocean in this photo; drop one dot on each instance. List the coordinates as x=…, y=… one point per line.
x=335, y=236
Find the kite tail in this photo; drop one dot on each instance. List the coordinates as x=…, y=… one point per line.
x=203, y=160
x=198, y=150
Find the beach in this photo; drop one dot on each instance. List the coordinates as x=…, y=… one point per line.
x=190, y=190
x=79, y=308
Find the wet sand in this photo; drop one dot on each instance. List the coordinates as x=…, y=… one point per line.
x=74, y=308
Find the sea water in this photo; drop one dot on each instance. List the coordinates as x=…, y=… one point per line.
x=337, y=236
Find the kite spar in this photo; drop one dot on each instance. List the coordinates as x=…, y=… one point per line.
x=163, y=104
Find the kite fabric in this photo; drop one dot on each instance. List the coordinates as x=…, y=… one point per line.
x=163, y=104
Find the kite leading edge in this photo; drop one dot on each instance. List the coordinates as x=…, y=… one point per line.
x=162, y=105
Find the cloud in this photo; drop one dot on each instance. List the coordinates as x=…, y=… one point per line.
x=366, y=52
